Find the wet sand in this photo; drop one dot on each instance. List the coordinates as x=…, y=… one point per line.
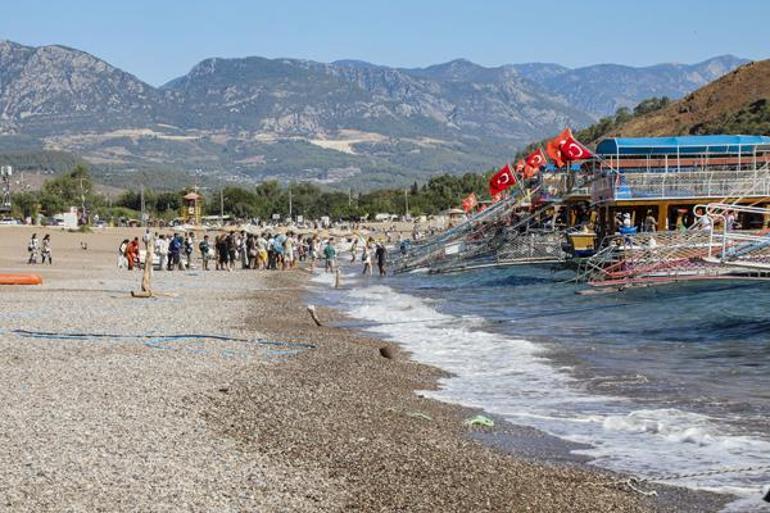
x=135, y=423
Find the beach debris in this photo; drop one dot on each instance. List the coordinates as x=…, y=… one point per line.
x=224, y=389
x=314, y=315
x=147, y=274
x=480, y=421
x=418, y=415
x=386, y=352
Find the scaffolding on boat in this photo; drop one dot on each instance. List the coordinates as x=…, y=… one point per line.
x=694, y=254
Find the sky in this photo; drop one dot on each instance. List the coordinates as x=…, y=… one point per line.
x=160, y=40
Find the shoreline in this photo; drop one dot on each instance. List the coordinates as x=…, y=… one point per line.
x=519, y=457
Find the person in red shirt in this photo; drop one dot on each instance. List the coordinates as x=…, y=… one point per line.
x=132, y=253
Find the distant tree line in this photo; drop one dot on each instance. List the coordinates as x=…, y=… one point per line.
x=76, y=189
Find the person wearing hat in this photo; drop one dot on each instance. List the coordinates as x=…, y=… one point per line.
x=626, y=220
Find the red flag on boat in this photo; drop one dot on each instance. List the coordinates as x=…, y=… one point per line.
x=501, y=180
x=469, y=202
x=553, y=147
x=572, y=149
x=536, y=159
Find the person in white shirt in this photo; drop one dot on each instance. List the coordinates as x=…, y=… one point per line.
x=161, y=248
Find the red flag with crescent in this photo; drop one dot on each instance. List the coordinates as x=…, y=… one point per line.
x=501, y=180
x=536, y=159
x=533, y=163
x=572, y=149
x=469, y=202
x=553, y=147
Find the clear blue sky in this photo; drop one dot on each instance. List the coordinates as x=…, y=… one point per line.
x=159, y=40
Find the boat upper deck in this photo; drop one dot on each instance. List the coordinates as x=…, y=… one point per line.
x=661, y=168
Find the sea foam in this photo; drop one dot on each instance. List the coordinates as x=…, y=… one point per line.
x=514, y=378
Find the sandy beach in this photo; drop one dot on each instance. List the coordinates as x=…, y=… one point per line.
x=223, y=395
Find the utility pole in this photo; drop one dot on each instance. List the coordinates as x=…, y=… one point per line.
x=350, y=194
x=290, y=202
x=141, y=203
x=222, y=207
x=83, y=213
x=406, y=202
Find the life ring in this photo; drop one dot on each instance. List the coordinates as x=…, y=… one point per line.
x=20, y=279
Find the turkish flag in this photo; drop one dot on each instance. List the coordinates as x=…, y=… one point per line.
x=572, y=149
x=553, y=147
x=536, y=159
x=469, y=202
x=501, y=180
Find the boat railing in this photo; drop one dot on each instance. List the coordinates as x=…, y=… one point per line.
x=712, y=181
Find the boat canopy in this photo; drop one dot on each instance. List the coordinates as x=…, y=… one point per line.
x=681, y=145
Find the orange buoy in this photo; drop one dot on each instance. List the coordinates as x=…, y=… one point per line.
x=20, y=279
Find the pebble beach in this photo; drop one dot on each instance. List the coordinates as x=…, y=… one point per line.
x=221, y=394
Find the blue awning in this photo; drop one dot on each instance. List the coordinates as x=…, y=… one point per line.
x=682, y=145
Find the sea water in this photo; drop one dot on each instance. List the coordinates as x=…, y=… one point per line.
x=665, y=380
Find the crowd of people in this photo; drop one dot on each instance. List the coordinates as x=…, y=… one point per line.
x=241, y=250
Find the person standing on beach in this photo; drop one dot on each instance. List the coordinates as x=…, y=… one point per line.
x=380, y=254
x=222, y=252
x=161, y=248
x=132, y=253
x=262, y=256
x=205, y=249
x=313, y=247
x=122, y=261
x=45, y=250
x=366, y=258
x=330, y=255
x=353, y=249
x=288, y=252
x=32, y=248
x=189, y=246
x=232, y=250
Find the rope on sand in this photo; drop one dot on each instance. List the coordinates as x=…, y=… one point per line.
x=160, y=341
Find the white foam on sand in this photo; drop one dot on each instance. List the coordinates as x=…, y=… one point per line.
x=513, y=378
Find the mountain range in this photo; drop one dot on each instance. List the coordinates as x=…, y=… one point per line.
x=346, y=123
x=737, y=103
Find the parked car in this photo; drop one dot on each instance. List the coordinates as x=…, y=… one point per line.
x=9, y=220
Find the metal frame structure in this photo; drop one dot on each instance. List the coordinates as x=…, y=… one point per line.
x=676, y=168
